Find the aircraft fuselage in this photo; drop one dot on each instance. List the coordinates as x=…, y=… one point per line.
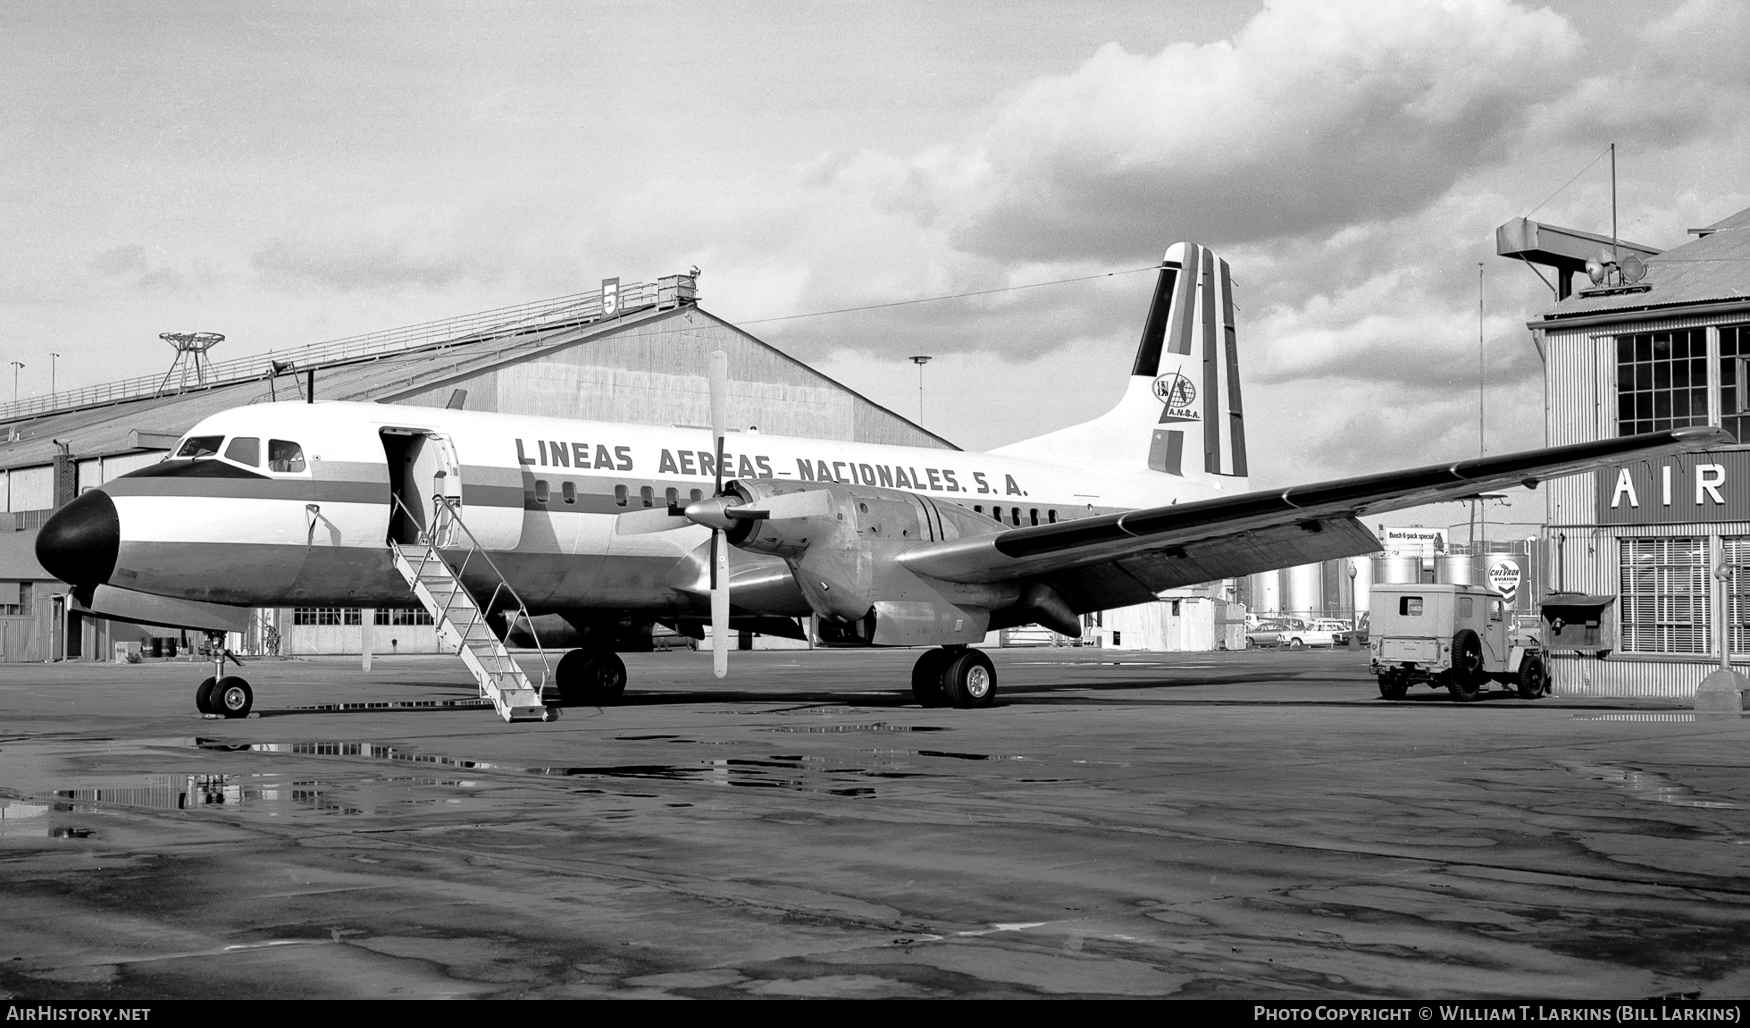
x=294, y=502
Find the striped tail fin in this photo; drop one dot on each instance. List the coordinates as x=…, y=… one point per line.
x=1181, y=413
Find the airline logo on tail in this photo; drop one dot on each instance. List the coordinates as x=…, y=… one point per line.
x=1177, y=392
x=1192, y=318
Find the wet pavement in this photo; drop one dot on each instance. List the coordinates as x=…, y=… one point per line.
x=1203, y=825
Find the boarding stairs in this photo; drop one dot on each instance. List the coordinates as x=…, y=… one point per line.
x=461, y=621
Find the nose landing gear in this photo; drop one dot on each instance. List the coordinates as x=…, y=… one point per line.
x=220, y=694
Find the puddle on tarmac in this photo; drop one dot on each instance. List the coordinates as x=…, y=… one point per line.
x=22, y=819
x=782, y=771
x=1660, y=716
x=306, y=792
x=879, y=726
x=1648, y=785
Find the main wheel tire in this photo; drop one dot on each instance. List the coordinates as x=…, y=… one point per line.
x=1391, y=687
x=926, y=677
x=231, y=697
x=588, y=679
x=970, y=680
x=203, y=696
x=1533, y=677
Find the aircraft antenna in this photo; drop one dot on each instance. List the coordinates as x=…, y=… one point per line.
x=191, y=356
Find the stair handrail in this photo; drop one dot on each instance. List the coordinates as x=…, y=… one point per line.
x=429, y=537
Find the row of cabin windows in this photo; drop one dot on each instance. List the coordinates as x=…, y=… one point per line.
x=622, y=495
x=283, y=455
x=647, y=498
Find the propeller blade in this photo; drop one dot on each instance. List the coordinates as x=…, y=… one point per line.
x=719, y=604
x=656, y=519
x=719, y=382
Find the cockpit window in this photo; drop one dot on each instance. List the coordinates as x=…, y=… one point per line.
x=284, y=455
x=200, y=446
x=245, y=449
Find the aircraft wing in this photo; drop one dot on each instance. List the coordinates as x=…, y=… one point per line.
x=1118, y=559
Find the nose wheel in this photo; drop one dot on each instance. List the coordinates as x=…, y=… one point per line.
x=223, y=695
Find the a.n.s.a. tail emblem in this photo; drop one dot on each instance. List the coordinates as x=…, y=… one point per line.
x=1190, y=330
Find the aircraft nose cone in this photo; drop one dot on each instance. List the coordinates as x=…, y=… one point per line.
x=78, y=545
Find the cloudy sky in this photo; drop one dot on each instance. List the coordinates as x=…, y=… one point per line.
x=287, y=173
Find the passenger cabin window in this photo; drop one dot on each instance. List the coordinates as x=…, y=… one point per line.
x=1410, y=606
x=1033, y=515
x=673, y=496
x=620, y=495
x=284, y=456
x=569, y=490
x=1051, y=516
x=696, y=495
x=200, y=446
x=648, y=495
x=542, y=492
x=245, y=449
x=1015, y=516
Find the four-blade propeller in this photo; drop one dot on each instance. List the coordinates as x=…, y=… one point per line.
x=721, y=512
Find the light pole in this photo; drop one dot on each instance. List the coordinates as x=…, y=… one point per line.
x=15, y=366
x=53, y=359
x=1354, y=609
x=920, y=360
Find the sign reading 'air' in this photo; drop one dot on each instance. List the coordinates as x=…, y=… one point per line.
x=1675, y=490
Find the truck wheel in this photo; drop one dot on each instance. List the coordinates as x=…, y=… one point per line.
x=1533, y=677
x=1467, y=659
x=1391, y=687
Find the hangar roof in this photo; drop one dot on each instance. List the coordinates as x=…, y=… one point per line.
x=1712, y=268
x=155, y=422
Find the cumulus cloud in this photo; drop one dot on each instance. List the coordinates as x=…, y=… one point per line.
x=121, y=260
x=1314, y=116
x=356, y=264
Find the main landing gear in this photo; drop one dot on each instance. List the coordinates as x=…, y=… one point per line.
x=225, y=695
x=590, y=678
x=954, y=676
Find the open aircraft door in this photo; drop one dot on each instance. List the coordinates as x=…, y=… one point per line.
x=424, y=472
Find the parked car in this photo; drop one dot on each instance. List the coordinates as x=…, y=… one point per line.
x=1268, y=635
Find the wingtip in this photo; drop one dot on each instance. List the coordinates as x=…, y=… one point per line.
x=1704, y=435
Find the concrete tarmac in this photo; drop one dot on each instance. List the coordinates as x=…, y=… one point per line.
x=1196, y=825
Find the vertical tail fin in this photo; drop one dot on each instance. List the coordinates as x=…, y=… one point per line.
x=1181, y=413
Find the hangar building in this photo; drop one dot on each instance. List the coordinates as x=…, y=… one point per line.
x=1664, y=546
x=634, y=353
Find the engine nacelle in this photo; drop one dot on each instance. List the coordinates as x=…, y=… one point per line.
x=842, y=554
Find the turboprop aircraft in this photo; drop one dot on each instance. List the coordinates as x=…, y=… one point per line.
x=486, y=516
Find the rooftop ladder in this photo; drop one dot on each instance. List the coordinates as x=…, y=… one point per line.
x=461, y=622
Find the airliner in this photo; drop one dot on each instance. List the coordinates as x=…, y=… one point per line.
x=610, y=524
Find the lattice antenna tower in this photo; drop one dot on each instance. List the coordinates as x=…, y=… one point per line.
x=191, y=356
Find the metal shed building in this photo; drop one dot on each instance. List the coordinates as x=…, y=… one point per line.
x=1670, y=540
